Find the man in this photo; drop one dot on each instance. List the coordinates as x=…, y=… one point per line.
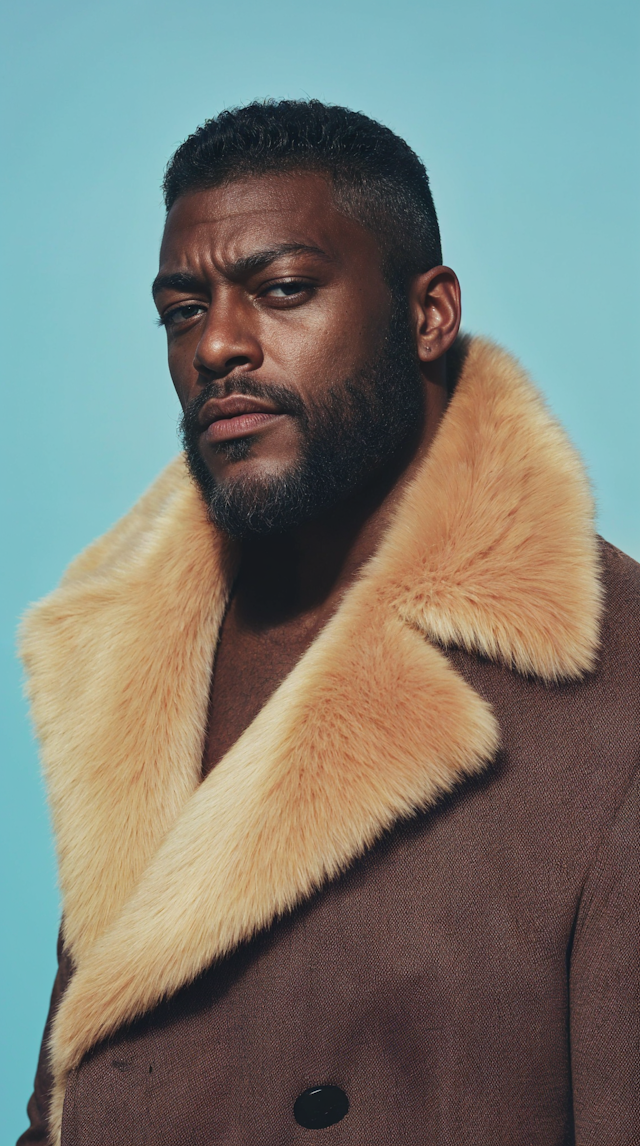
x=373, y=879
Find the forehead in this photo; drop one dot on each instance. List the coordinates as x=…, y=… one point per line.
x=229, y=222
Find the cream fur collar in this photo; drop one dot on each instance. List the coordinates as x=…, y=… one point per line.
x=493, y=549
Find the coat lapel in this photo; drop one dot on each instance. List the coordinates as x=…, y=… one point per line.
x=492, y=549
x=119, y=660
x=495, y=548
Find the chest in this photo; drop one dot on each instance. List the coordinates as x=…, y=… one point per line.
x=410, y=984
x=250, y=663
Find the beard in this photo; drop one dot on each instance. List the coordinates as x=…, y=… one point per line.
x=358, y=426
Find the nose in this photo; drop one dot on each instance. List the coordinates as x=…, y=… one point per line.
x=229, y=340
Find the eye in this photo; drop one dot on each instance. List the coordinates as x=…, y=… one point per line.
x=179, y=314
x=294, y=290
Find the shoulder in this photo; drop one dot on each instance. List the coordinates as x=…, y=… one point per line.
x=573, y=745
x=130, y=532
x=110, y=565
x=619, y=659
x=621, y=579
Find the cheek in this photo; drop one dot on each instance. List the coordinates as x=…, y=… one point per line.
x=183, y=373
x=326, y=347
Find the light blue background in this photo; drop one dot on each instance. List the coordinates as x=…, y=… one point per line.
x=526, y=114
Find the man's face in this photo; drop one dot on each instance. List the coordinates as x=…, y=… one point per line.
x=295, y=369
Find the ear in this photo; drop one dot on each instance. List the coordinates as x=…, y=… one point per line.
x=434, y=300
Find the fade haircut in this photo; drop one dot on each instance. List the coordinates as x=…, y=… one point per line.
x=376, y=178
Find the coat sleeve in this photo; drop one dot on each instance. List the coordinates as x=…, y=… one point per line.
x=38, y=1105
x=605, y=989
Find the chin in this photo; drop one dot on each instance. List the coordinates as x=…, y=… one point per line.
x=240, y=463
x=234, y=451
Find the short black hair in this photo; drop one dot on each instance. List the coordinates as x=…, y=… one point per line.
x=377, y=179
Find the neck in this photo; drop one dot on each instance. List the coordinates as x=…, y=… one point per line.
x=302, y=575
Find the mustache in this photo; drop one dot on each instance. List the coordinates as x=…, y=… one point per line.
x=287, y=401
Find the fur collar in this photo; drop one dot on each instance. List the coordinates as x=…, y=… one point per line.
x=492, y=548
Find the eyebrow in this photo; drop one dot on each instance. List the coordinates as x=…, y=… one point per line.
x=178, y=281
x=184, y=282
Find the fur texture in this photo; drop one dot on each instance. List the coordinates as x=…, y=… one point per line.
x=492, y=548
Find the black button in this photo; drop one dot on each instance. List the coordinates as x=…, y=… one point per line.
x=320, y=1106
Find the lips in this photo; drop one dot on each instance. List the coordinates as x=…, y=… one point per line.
x=236, y=416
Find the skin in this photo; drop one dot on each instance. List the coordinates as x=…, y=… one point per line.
x=307, y=313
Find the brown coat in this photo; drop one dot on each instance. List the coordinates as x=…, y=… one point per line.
x=414, y=877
